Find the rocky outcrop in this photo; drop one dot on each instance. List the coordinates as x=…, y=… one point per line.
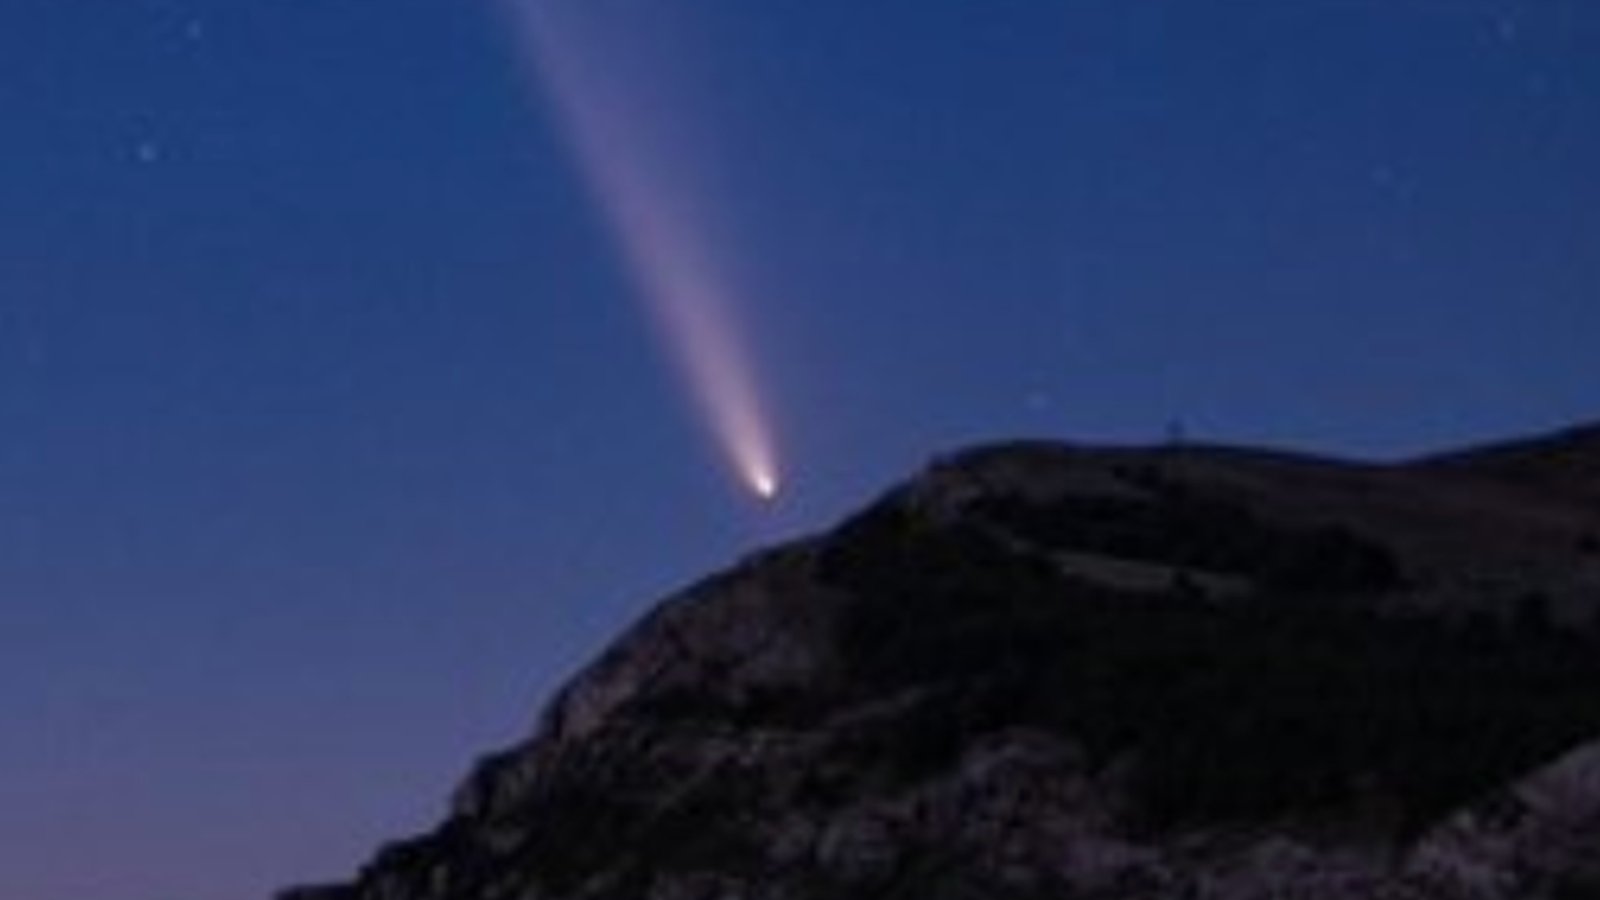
x=1039, y=671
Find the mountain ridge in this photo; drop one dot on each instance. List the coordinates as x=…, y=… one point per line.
x=1042, y=670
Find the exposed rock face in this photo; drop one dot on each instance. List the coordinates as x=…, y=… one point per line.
x=1045, y=672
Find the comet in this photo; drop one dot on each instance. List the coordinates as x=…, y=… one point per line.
x=639, y=178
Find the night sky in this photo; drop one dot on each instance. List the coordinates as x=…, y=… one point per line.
x=335, y=427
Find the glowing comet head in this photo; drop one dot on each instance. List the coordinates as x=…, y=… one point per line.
x=765, y=484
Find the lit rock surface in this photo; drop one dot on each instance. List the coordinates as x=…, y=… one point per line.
x=1047, y=672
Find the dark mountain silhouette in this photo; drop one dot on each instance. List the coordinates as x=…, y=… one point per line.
x=1043, y=671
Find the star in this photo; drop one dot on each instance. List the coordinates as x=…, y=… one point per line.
x=147, y=152
x=1392, y=182
x=1506, y=29
x=33, y=350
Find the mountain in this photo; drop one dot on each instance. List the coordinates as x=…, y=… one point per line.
x=1045, y=671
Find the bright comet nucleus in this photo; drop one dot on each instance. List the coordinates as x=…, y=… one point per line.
x=620, y=133
x=765, y=485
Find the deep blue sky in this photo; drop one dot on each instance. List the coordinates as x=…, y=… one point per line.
x=331, y=435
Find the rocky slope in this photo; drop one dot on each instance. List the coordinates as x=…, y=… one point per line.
x=1039, y=671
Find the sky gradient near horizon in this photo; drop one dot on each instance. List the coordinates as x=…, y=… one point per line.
x=333, y=432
